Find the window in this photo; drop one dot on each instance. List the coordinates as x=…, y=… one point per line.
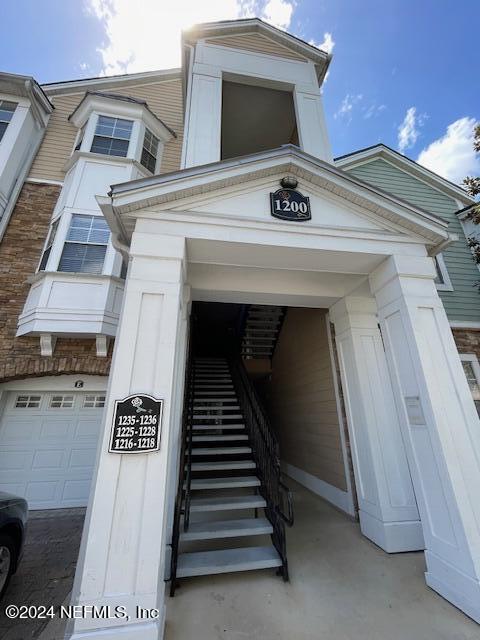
x=86, y=245
x=7, y=109
x=80, y=137
x=112, y=136
x=149, y=151
x=94, y=402
x=61, y=402
x=27, y=402
x=442, y=280
x=48, y=248
x=472, y=373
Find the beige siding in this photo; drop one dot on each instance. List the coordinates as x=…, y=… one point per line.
x=164, y=99
x=258, y=43
x=302, y=400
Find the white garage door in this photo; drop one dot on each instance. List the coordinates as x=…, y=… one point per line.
x=47, y=446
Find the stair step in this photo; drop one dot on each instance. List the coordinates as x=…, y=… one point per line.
x=219, y=387
x=218, y=438
x=227, y=529
x=211, y=427
x=224, y=394
x=204, y=563
x=224, y=483
x=218, y=451
x=223, y=466
x=222, y=408
x=232, y=503
x=218, y=416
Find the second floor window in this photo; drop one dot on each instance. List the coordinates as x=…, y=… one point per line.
x=7, y=109
x=112, y=136
x=149, y=151
x=86, y=244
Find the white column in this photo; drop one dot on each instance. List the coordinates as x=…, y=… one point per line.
x=203, y=117
x=312, y=129
x=439, y=422
x=121, y=561
x=387, y=508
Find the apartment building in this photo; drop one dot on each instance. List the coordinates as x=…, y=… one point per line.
x=181, y=245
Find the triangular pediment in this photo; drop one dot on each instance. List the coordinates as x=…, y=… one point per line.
x=238, y=191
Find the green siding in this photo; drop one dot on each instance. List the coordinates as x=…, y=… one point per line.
x=463, y=303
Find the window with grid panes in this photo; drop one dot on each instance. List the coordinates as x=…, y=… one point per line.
x=149, y=151
x=112, y=136
x=86, y=244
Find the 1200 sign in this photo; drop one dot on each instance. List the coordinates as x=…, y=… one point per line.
x=136, y=425
x=289, y=204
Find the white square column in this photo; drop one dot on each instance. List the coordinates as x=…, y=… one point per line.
x=440, y=425
x=387, y=507
x=121, y=562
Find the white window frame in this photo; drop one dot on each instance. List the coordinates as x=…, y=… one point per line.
x=93, y=129
x=472, y=358
x=63, y=239
x=446, y=285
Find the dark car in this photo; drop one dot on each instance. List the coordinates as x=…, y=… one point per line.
x=13, y=521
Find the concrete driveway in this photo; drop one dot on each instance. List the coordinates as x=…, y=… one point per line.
x=45, y=575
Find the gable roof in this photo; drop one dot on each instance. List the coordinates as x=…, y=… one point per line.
x=320, y=58
x=128, y=197
x=384, y=152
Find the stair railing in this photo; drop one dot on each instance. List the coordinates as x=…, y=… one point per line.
x=266, y=453
x=182, y=501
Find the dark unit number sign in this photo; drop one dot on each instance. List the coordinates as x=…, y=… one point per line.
x=289, y=204
x=136, y=425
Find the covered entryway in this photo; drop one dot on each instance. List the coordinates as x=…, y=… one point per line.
x=206, y=234
x=48, y=441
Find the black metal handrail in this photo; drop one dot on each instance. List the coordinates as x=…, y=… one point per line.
x=266, y=453
x=182, y=501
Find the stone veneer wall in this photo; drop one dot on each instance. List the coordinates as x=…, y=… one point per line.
x=20, y=252
x=467, y=341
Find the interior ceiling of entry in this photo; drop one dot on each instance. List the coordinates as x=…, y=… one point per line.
x=255, y=119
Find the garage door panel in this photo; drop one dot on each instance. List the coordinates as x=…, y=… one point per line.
x=75, y=490
x=82, y=459
x=49, y=459
x=57, y=429
x=47, y=453
x=19, y=430
x=42, y=491
x=14, y=460
x=87, y=429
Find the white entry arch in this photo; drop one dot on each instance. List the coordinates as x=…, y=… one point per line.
x=206, y=233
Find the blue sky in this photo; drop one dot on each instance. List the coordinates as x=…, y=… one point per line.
x=403, y=72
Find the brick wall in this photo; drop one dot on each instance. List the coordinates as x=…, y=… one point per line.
x=467, y=340
x=20, y=252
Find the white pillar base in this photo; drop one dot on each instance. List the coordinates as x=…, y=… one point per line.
x=455, y=586
x=146, y=630
x=392, y=537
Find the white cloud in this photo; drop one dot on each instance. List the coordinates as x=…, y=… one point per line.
x=278, y=13
x=452, y=155
x=409, y=130
x=346, y=106
x=327, y=44
x=373, y=110
x=146, y=36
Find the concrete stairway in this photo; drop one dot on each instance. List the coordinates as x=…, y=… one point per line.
x=262, y=327
x=225, y=532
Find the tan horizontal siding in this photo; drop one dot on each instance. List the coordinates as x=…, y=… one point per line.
x=164, y=98
x=257, y=43
x=301, y=398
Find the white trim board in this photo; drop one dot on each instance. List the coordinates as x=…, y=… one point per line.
x=340, y=499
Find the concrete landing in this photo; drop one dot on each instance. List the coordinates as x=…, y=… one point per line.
x=342, y=587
